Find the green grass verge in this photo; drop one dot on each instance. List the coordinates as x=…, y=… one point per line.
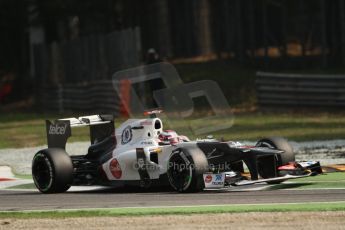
x=23, y=186
x=325, y=181
x=338, y=177
x=23, y=176
x=330, y=206
x=294, y=126
x=28, y=130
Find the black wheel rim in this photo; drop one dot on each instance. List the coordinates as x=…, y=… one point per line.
x=42, y=172
x=179, y=172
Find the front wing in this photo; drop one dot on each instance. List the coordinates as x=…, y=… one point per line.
x=292, y=170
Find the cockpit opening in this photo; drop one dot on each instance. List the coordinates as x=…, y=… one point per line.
x=158, y=124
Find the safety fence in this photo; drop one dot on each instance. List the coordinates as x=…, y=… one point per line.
x=280, y=89
x=92, y=97
x=90, y=58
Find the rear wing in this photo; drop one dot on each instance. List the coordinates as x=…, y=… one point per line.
x=58, y=131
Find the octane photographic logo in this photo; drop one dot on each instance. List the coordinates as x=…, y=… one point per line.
x=183, y=166
x=56, y=129
x=140, y=164
x=138, y=92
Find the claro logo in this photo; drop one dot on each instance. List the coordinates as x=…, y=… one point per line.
x=57, y=130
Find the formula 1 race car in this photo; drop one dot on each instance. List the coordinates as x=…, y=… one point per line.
x=140, y=153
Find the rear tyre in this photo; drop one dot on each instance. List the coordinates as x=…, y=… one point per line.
x=186, y=167
x=52, y=170
x=284, y=158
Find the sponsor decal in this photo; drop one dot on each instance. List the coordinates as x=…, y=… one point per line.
x=208, y=178
x=115, y=168
x=55, y=129
x=126, y=135
x=214, y=180
x=219, y=177
x=146, y=123
x=146, y=143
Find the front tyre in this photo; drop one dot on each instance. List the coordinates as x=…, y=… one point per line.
x=186, y=167
x=52, y=170
x=284, y=158
x=279, y=143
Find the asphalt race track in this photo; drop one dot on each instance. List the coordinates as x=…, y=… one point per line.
x=31, y=200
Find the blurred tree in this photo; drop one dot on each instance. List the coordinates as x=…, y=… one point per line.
x=247, y=30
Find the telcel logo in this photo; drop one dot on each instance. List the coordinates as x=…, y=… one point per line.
x=57, y=130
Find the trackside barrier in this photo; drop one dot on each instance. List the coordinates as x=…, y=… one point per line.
x=92, y=97
x=280, y=89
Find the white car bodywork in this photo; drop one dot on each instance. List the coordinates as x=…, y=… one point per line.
x=143, y=134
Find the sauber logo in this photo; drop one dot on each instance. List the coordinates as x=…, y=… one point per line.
x=57, y=130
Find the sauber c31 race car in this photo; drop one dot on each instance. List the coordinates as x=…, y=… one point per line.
x=140, y=153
